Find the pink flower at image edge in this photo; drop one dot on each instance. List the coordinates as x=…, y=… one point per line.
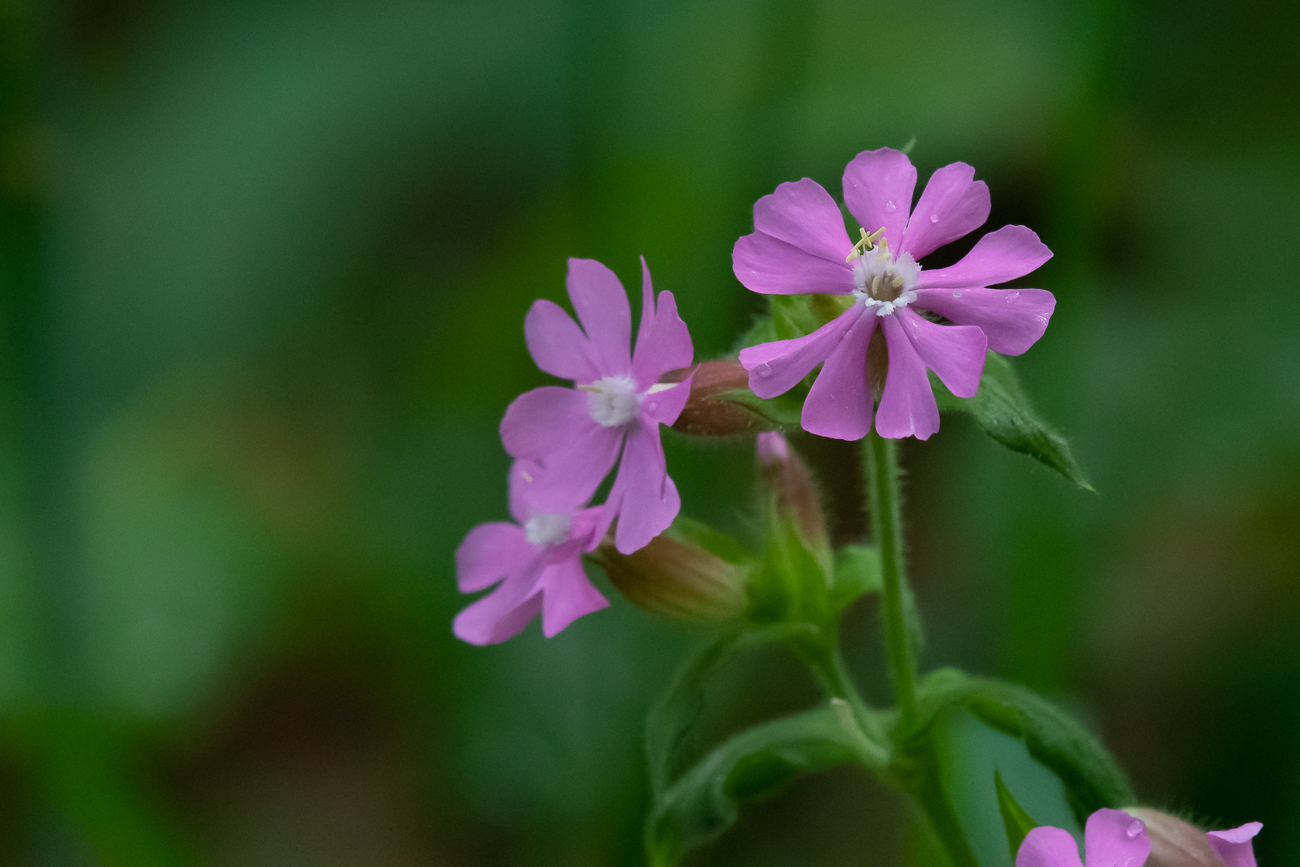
x=1114, y=838
x=800, y=246
x=575, y=434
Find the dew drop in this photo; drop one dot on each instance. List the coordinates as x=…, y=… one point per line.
x=934, y=218
x=1135, y=827
x=956, y=294
x=890, y=207
x=765, y=371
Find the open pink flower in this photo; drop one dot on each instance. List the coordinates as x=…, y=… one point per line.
x=537, y=562
x=575, y=434
x=1112, y=838
x=800, y=245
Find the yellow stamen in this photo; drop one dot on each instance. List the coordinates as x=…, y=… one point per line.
x=867, y=243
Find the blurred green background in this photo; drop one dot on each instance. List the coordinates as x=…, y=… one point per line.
x=263, y=270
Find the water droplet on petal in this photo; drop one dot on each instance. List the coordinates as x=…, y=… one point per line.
x=890, y=207
x=934, y=218
x=765, y=371
x=956, y=294
x=1135, y=827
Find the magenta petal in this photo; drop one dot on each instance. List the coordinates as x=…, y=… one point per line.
x=545, y=420
x=775, y=368
x=771, y=266
x=489, y=553
x=907, y=406
x=952, y=205
x=662, y=341
x=503, y=612
x=1008, y=253
x=643, y=498
x=1234, y=845
x=955, y=352
x=878, y=188
x=1113, y=838
x=557, y=344
x=663, y=407
x=839, y=402
x=570, y=476
x=802, y=213
x=1048, y=847
x=567, y=595
x=1011, y=319
x=602, y=308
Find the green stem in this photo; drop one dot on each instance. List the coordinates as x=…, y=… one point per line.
x=827, y=665
x=881, y=462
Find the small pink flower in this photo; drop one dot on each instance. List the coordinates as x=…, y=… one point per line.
x=1234, y=845
x=799, y=246
x=1112, y=838
x=575, y=434
x=538, y=563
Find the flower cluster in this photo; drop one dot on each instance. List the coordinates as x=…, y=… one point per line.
x=1118, y=838
x=565, y=441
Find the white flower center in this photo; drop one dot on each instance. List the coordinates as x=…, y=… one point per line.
x=885, y=282
x=544, y=529
x=613, y=400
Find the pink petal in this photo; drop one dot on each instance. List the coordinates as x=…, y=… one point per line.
x=663, y=407
x=1048, y=847
x=585, y=524
x=557, y=344
x=504, y=612
x=839, y=402
x=1011, y=319
x=643, y=498
x=545, y=420
x=602, y=308
x=955, y=352
x=1008, y=253
x=878, y=188
x=1113, y=838
x=907, y=406
x=771, y=266
x=570, y=476
x=952, y=205
x=775, y=368
x=567, y=595
x=489, y=553
x=662, y=341
x=1234, y=845
x=804, y=214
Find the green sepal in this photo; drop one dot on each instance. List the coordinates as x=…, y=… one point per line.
x=1017, y=821
x=720, y=545
x=1091, y=777
x=783, y=410
x=1003, y=411
x=704, y=803
x=672, y=719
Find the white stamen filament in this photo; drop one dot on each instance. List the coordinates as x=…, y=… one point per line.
x=885, y=282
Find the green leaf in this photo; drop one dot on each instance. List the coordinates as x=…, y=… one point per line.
x=1090, y=774
x=757, y=762
x=800, y=315
x=1018, y=822
x=783, y=410
x=857, y=572
x=672, y=719
x=1002, y=410
x=762, y=331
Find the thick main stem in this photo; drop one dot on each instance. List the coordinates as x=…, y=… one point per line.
x=881, y=461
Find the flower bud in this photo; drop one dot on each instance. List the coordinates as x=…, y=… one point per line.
x=677, y=579
x=708, y=411
x=1175, y=843
x=796, y=498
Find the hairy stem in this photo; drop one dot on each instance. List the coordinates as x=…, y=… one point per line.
x=885, y=501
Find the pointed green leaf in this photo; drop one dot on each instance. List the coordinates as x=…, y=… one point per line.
x=1003, y=411
x=704, y=802
x=672, y=719
x=857, y=572
x=1018, y=822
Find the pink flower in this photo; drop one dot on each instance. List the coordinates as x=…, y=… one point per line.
x=538, y=563
x=1112, y=838
x=575, y=434
x=1234, y=845
x=799, y=245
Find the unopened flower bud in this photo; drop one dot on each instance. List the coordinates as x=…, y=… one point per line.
x=787, y=477
x=710, y=411
x=677, y=579
x=1175, y=843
